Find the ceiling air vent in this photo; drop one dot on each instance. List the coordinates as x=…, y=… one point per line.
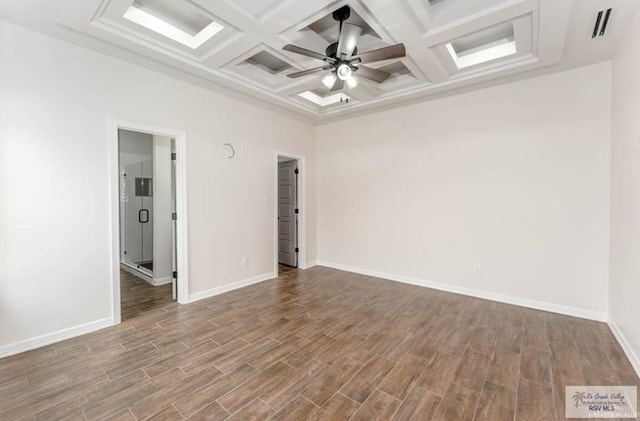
x=601, y=23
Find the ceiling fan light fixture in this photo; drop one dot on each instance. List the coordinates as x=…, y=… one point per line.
x=344, y=72
x=351, y=82
x=329, y=80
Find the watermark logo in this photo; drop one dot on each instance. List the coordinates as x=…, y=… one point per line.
x=601, y=402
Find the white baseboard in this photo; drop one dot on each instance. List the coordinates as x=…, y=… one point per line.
x=50, y=338
x=310, y=264
x=161, y=281
x=230, y=287
x=487, y=295
x=628, y=350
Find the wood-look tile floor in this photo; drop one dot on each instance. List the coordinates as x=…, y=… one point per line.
x=137, y=296
x=319, y=344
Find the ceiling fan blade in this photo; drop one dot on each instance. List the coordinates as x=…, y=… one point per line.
x=307, y=72
x=373, y=74
x=349, y=36
x=338, y=85
x=384, y=53
x=303, y=51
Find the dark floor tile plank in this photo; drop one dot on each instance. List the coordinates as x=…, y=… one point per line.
x=124, y=399
x=195, y=401
x=124, y=415
x=535, y=335
x=456, y=341
x=210, y=358
x=535, y=402
x=458, y=403
x=439, y=373
x=99, y=392
x=309, y=351
x=156, y=400
x=566, y=362
x=472, y=370
x=245, y=353
x=369, y=347
x=503, y=368
x=379, y=406
x=364, y=382
x=558, y=390
x=285, y=390
x=256, y=410
x=338, y=408
x=402, y=376
x=182, y=359
x=167, y=414
x=326, y=384
x=497, y=403
x=262, y=383
x=281, y=351
x=298, y=409
x=535, y=365
x=482, y=340
x=419, y=405
x=212, y=412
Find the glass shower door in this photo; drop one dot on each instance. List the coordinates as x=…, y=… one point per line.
x=146, y=216
x=137, y=215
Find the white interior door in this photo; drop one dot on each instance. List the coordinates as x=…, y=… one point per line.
x=174, y=228
x=287, y=213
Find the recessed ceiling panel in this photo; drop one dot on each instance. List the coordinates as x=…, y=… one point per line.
x=396, y=69
x=179, y=13
x=324, y=100
x=483, y=46
x=268, y=62
x=175, y=19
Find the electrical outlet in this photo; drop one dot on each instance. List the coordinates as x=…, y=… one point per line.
x=245, y=262
x=478, y=270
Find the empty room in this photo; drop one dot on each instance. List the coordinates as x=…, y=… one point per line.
x=319, y=210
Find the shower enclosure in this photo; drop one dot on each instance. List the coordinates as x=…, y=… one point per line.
x=138, y=215
x=136, y=205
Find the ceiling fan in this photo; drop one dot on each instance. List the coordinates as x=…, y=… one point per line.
x=343, y=59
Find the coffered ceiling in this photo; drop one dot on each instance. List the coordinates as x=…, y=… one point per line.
x=451, y=45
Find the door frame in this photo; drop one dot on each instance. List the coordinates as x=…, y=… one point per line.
x=302, y=215
x=181, y=207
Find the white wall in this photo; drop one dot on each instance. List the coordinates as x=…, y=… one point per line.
x=513, y=178
x=162, y=209
x=625, y=193
x=55, y=102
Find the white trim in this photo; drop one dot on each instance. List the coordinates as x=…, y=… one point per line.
x=302, y=206
x=626, y=347
x=50, y=338
x=311, y=264
x=161, y=281
x=487, y=295
x=181, y=207
x=232, y=286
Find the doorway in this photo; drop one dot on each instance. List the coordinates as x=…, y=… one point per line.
x=146, y=225
x=149, y=216
x=290, y=216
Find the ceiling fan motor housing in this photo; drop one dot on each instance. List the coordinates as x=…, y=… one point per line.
x=332, y=50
